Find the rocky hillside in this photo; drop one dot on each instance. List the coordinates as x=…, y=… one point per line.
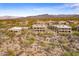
x=29, y=44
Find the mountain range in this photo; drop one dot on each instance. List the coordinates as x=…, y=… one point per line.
x=8, y=17
x=39, y=16
x=52, y=16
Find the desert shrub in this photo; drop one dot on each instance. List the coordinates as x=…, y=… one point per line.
x=67, y=54
x=76, y=33
x=29, y=41
x=63, y=41
x=73, y=26
x=65, y=44
x=66, y=47
x=53, y=45
x=11, y=52
x=43, y=44
x=71, y=54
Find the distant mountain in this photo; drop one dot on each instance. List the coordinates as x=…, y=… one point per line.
x=52, y=16
x=8, y=17
x=37, y=17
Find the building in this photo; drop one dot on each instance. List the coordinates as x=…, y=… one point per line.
x=39, y=27
x=17, y=30
x=61, y=29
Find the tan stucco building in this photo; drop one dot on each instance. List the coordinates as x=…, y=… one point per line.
x=61, y=29
x=39, y=27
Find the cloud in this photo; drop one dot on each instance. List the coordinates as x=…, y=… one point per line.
x=72, y=5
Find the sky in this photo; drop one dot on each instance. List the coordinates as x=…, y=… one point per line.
x=30, y=9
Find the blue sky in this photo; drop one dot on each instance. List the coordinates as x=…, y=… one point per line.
x=29, y=9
